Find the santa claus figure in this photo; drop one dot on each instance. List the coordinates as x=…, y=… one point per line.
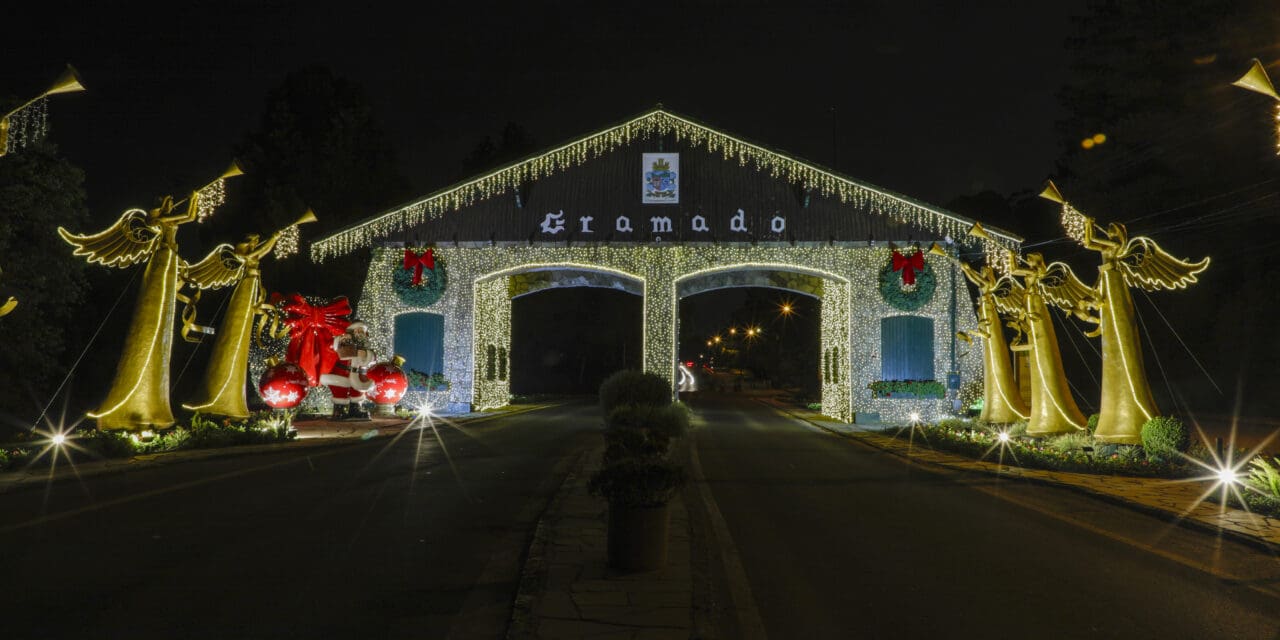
x=346, y=381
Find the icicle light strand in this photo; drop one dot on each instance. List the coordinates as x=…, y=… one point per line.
x=876, y=201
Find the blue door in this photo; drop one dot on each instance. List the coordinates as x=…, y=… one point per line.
x=419, y=338
x=906, y=348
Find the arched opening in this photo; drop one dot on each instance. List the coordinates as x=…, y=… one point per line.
x=744, y=338
x=568, y=340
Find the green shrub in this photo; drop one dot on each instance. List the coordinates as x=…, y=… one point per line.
x=1164, y=437
x=1092, y=425
x=814, y=406
x=1018, y=428
x=1068, y=442
x=919, y=388
x=1130, y=453
x=638, y=483
x=105, y=444
x=634, y=387
x=957, y=424
x=643, y=431
x=1265, y=476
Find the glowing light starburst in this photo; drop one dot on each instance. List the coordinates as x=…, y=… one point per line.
x=1223, y=472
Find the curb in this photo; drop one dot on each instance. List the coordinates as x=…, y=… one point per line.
x=533, y=572
x=1151, y=510
x=18, y=480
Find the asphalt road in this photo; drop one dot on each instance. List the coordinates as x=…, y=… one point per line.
x=826, y=538
x=371, y=540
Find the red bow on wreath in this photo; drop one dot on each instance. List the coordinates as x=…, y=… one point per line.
x=908, y=266
x=417, y=262
x=311, y=333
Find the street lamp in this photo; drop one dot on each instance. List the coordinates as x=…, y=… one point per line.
x=68, y=82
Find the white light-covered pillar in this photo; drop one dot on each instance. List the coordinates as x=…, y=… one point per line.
x=837, y=398
x=491, y=380
x=660, y=312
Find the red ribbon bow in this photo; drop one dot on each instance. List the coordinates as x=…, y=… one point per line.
x=908, y=266
x=417, y=262
x=311, y=333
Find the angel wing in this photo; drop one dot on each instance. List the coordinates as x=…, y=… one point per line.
x=1146, y=265
x=1010, y=295
x=1062, y=288
x=218, y=269
x=127, y=242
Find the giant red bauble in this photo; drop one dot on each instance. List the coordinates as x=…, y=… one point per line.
x=389, y=383
x=283, y=386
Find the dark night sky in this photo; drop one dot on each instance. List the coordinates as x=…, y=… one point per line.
x=933, y=102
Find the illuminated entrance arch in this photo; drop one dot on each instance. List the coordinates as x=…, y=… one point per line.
x=665, y=207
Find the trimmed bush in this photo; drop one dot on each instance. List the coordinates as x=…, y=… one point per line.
x=1093, y=423
x=638, y=483
x=643, y=431
x=634, y=387
x=1163, y=437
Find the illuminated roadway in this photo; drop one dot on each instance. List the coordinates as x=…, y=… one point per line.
x=371, y=540
x=797, y=534
x=828, y=538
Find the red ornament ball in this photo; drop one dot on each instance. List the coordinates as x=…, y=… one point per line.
x=283, y=386
x=389, y=383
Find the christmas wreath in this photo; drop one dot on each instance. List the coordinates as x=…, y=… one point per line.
x=907, y=282
x=421, y=280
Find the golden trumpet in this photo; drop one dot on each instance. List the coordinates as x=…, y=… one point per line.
x=1255, y=79
x=1051, y=193
x=978, y=232
x=309, y=216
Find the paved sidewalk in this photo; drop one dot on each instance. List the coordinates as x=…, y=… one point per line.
x=568, y=591
x=1180, y=499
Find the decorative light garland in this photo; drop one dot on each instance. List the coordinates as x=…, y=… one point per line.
x=287, y=243
x=1074, y=222
x=476, y=309
x=211, y=197
x=658, y=122
x=27, y=126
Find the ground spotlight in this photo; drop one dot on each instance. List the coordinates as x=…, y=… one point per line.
x=58, y=439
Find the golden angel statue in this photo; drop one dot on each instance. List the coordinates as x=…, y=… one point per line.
x=222, y=388
x=1053, y=410
x=1001, y=401
x=139, y=393
x=1127, y=262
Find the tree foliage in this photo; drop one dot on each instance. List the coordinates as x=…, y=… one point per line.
x=318, y=145
x=39, y=191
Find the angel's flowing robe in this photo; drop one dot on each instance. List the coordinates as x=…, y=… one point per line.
x=1126, y=397
x=1001, y=401
x=139, y=395
x=1053, y=410
x=222, y=391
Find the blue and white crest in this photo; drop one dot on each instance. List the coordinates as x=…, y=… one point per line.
x=661, y=178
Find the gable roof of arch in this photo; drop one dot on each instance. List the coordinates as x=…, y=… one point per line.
x=656, y=122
